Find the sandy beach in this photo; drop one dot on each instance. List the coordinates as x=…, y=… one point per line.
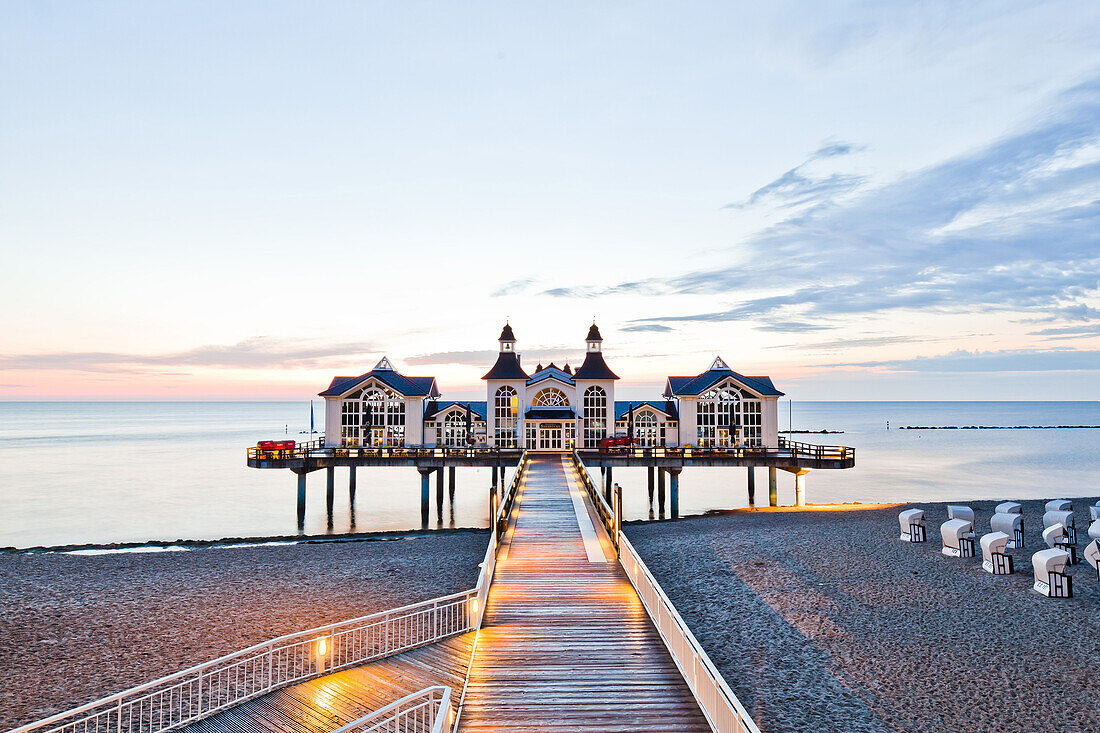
x=823, y=620
x=74, y=628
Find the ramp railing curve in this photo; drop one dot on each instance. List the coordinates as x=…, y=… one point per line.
x=723, y=711
x=196, y=693
x=426, y=711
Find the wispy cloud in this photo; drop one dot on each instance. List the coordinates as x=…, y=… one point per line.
x=486, y=358
x=792, y=327
x=260, y=352
x=800, y=185
x=852, y=343
x=1014, y=226
x=1015, y=360
x=1066, y=332
x=514, y=287
x=647, y=327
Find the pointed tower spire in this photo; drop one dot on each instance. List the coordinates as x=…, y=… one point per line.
x=594, y=339
x=507, y=340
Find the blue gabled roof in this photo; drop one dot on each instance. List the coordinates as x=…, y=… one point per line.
x=435, y=407
x=698, y=384
x=407, y=386
x=551, y=372
x=664, y=406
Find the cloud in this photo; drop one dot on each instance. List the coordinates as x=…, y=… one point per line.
x=1014, y=227
x=259, y=352
x=1017, y=360
x=1069, y=332
x=650, y=327
x=848, y=343
x=799, y=186
x=792, y=327
x=512, y=288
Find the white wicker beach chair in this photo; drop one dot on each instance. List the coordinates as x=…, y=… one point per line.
x=1050, y=577
x=1064, y=518
x=994, y=558
x=959, y=511
x=1009, y=507
x=1094, y=530
x=1055, y=538
x=912, y=525
x=1059, y=505
x=1012, y=525
x=958, y=538
x=1092, y=555
x=1094, y=512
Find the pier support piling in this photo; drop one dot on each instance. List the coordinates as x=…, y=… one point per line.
x=661, y=492
x=439, y=494
x=674, y=493
x=351, y=484
x=330, y=487
x=607, y=485
x=649, y=484
x=800, y=487
x=773, y=488
x=425, y=491
x=493, y=471
x=451, y=483
x=301, y=499
x=752, y=486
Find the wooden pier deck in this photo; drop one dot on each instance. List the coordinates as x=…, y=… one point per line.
x=566, y=644
x=324, y=704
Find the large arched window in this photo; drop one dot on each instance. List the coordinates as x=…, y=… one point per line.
x=594, y=414
x=724, y=413
x=550, y=397
x=382, y=417
x=646, y=429
x=506, y=417
x=454, y=430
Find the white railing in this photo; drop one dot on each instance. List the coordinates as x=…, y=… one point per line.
x=201, y=691
x=723, y=710
x=427, y=711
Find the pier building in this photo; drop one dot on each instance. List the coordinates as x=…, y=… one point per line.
x=551, y=408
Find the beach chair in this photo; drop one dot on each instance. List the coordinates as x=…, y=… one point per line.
x=1094, y=530
x=1059, y=505
x=958, y=511
x=1094, y=512
x=1092, y=555
x=1055, y=538
x=1009, y=507
x=1012, y=525
x=1050, y=578
x=994, y=559
x=958, y=538
x=912, y=525
x=1064, y=518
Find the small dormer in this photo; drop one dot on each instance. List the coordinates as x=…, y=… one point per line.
x=719, y=365
x=384, y=365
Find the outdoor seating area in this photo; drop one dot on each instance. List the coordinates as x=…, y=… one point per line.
x=1050, y=564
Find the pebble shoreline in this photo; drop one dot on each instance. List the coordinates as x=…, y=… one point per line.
x=75, y=628
x=824, y=620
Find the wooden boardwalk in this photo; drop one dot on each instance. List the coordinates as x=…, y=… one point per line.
x=327, y=703
x=566, y=644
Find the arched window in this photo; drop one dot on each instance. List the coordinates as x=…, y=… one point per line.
x=454, y=430
x=646, y=429
x=506, y=417
x=724, y=413
x=550, y=397
x=383, y=417
x=594, y=413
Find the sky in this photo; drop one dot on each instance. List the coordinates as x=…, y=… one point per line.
x=240, y=200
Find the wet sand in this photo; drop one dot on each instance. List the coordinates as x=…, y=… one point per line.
x=74, y=628
x=823, y=620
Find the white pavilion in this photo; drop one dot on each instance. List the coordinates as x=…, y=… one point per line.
x=552, y=408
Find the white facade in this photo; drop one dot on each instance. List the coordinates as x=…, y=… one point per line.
x=551, y=409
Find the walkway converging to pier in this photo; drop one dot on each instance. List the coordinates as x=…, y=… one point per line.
x=566, y=644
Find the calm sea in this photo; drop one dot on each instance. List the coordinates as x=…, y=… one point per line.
x=94, y=472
